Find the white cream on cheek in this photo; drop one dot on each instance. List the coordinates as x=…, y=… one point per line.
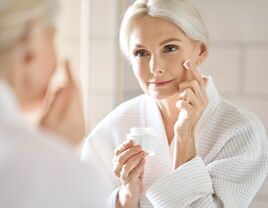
x=187, y=64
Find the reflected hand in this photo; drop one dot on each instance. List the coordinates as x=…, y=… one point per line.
x=64, y=114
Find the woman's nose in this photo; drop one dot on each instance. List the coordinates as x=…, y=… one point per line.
x=155, y=66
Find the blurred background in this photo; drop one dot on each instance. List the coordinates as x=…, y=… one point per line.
x=238, y=56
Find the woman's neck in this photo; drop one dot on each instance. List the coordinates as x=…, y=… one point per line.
x=169, y=114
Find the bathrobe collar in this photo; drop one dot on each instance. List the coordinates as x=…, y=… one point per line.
x=154, y=117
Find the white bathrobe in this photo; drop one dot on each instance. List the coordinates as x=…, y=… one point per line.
x=230, y=166
x=36, y=170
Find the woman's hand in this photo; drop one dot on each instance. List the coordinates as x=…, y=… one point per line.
x=128, y=164
x=191, y=104
x=64, y=113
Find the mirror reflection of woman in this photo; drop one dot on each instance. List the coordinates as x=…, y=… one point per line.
x=209, y=153
x=37, y=169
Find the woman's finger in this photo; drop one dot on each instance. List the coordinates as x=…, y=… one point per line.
x=195, y=74
x=184, y=105
x=200, y=92
x=131, y=164
x=126, y=155
x=68, y=70
x=203, y=93
x=189, y=96
x=124, y=146
x=194, y=86
x=122, y=158
x=198, y=78
x=138, y=171
x=56, y=110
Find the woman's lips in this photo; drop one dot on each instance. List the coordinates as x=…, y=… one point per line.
x=159, y=83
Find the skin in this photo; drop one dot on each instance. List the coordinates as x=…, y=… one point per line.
x=157, y=58
x=33, y=55
x=28, y=70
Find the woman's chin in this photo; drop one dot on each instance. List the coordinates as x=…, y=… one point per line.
x=163, y=95
x=34, y=104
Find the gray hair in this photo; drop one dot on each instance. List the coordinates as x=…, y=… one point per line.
x=16, y=15
x=180, y=12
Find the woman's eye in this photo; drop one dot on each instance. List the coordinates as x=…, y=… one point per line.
x=141, y=53
x=170, y=48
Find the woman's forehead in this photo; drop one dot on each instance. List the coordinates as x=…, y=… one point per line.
x=155, y=29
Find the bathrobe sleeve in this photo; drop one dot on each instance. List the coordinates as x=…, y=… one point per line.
x=98, y=152
x=230, y=180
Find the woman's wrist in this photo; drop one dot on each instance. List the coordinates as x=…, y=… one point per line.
x=185, y=149
x=124, y=200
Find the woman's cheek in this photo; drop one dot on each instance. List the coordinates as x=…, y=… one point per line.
x=174, y=65
x=139, y=69
x=136, y=69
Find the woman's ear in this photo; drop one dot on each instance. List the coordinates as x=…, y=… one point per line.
x=202, y=53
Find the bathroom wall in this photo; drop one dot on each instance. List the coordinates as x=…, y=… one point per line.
x=104, y=68
x=68, y=34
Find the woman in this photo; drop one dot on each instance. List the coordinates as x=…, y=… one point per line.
x=37, y=170
x=209, y=153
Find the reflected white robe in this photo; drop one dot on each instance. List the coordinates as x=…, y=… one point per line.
x=36, y=170
x=230, y=166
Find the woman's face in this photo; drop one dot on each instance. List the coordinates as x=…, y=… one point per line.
x=39, y=67
x=158, y=50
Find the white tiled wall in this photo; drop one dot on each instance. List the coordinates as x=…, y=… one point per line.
x=239, y=20
x=256, y=67
x=103, y=58
x=68, y=33
x=226, y=71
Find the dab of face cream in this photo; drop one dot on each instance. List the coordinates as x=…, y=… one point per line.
x=187, y=64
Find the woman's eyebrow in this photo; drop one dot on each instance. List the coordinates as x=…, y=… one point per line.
x=139, y=46
x=169, y=40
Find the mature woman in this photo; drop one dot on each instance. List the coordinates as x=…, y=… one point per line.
x=209, y=153
x=36, y=170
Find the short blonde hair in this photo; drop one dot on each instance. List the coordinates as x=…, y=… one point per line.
x=16, y=15
x=180, y=12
